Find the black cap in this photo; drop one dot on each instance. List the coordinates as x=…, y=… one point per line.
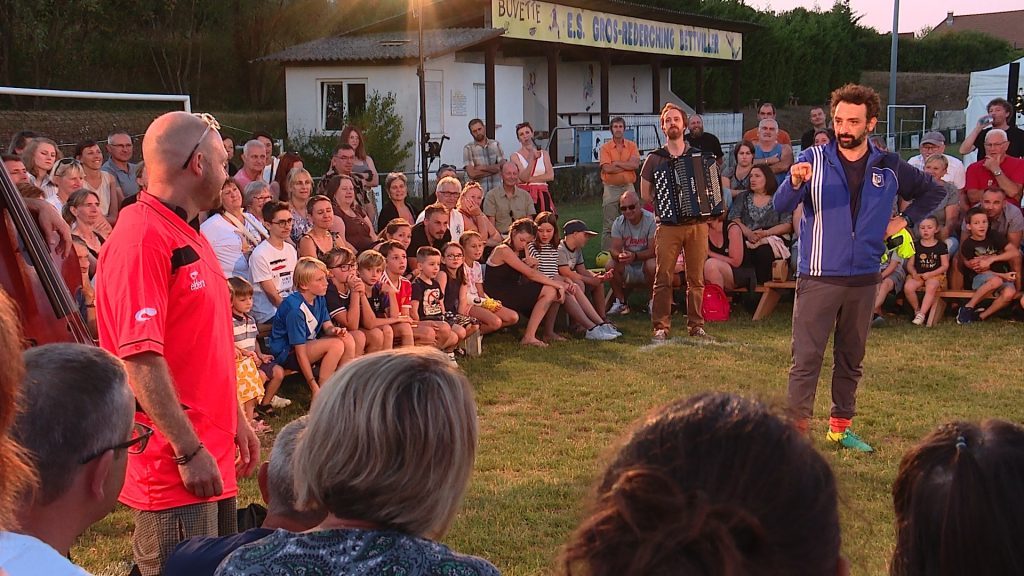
x=574, y=226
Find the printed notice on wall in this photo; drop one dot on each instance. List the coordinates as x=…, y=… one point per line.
x=458, y=102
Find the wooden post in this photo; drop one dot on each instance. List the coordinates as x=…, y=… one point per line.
x=699, y=72
x=736, y=87
x=553, y=103
x=490, y=55
x=655, y=85
x=606, y=64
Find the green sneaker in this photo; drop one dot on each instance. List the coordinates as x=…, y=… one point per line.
x=847, y=439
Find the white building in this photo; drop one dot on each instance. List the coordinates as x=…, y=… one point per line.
x=568, y=65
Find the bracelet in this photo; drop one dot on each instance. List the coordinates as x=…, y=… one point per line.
x=90, y=305
x=182, y=460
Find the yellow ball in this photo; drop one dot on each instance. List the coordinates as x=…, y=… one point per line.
x=602, y=258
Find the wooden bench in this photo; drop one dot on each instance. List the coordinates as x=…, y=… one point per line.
x=939, y=308
x=772, y=292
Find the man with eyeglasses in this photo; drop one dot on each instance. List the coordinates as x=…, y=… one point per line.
x=996, y=169
x=342, y=163
x=163, y=308
x=120, y=150
x=80, y=456
x=935, y=143
x=447, y=193
x=272, y=263
x=632, y=259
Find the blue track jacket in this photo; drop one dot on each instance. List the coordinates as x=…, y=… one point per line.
x=829, y=243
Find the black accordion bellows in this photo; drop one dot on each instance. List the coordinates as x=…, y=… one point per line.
x=688, y=187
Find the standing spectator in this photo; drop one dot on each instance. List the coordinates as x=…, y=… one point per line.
x=448, y=191
x=969, y=476
x=39, y=157
x=150, y=321
x=483, y=157
x=847, y=189
x=300, y=188
x=229, y=147
x=16, y=169
x=388, y=451
x=508, y=202
x=760, y=223
x=535, y=169
x=69, y=176
x=254, y=160
x=766, y=112
x=620, y=159
x=997, y=169
x=358, y=231
x=272, y=263
x=739, y=173
x=232, y=233
x=771, y=152
x=279, y=185
x=473, y=218
x=363, y=168
x=432, y=231
x=690, y=238
x=119, y=155
x=270, y=169
x=819, y=123
x=632, y=259
x=935, y=143
x=1000, y=117
x=102, y=183
x=703, y=141
x=20, y=140
x=80, y=458
x=714, y=484
x=397, y=190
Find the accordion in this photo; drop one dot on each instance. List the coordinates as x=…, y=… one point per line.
x=687, y=187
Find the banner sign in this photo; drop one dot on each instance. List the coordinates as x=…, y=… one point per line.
x=548, y=22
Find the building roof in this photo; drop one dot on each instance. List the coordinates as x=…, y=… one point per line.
x=1008, y=26
x=383, y=46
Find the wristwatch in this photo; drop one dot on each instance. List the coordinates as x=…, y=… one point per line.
x=910, y=223
x=997, y=173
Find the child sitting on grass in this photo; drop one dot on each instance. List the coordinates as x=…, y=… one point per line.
x=488, y=311
x=257, y=374
x=300, y=319
x=395, y=265
x=379, y=311
x=985, y=257
x=455, y=285
x=344, y=297
x=428, y=301
x=927, y=268
x=570, y=265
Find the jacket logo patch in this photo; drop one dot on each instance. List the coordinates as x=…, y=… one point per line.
x=877, y=180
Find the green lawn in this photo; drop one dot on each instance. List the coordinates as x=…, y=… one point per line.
x=549, y=417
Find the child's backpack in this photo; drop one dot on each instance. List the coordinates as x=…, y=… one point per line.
x=715, y=307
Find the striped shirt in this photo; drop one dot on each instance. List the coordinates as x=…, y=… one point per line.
x=245, y=332
x=547, y=255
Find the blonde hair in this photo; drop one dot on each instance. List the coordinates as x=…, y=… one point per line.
x=939, y=159
x=28, y=155
x=295, y=173
x=391, y=439
x=370, y=259
x=306, y=270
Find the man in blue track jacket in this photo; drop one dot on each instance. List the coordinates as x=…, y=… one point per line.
x=848, y=190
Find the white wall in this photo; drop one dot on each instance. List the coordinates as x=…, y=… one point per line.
x=303, y=99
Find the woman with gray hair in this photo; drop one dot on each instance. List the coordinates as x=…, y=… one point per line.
x=387, y=452
x=254, y=197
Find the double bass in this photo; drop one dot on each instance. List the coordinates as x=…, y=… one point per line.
x=36, y=277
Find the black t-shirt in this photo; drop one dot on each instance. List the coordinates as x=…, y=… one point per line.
x=929, y=258
x=807, y=140
x=1013, y=134
x=336, y=301
x=707, y=143
x=419, y=239
x=993, y=244
x=855, y=181
x=430, y=298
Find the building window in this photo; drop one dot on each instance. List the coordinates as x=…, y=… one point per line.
x=339, y=98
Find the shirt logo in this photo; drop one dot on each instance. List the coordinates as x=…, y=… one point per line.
x=145, y=314
x=197, y=283
x=876, y=179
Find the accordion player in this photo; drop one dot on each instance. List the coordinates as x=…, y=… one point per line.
x=687, y=187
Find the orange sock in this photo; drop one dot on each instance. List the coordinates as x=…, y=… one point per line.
x=839, y=425
x=802, y=424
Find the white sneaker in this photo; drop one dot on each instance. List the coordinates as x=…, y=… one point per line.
x=599, y=333
x=918, y=319
x=279, y=402
x=611, y=328
x=618, y=308
x=451, y=358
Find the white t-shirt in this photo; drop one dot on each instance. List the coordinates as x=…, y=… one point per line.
x=456, y=223
x=475, y=274
x=226, y=242
x=955, y=172
x=269, y=263
x=22, y=555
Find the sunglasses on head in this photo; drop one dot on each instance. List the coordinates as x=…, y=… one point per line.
x=211, y=124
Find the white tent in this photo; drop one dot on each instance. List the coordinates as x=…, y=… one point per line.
x=986, y=85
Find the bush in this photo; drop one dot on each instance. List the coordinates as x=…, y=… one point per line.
x=382, y=131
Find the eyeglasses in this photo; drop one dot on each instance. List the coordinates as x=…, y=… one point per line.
x=342, y=267
x=454, y=256
x=267, y=197
x=128, y=145
x=447, y=193
x=211, y=123
x=136, y=445
x=285, y=223
x=629, y=208
x=340, y=157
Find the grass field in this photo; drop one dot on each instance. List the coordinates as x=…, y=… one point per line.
x=549, y=417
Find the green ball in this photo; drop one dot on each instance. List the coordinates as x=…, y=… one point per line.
x=602, y=258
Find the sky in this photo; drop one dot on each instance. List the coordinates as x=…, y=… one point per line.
x=914, y=14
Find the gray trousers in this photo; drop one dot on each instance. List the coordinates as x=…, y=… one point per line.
x=819, y=308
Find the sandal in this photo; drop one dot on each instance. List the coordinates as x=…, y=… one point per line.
x=266, y=410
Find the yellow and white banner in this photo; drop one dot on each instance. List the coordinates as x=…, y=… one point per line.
x=548, y=22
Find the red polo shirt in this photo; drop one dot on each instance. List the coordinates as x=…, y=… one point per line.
x=160, y=289
x=981, y=178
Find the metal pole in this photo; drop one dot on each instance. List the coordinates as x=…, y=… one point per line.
x=892, y=68
x=423, y=105
x=185, y=99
